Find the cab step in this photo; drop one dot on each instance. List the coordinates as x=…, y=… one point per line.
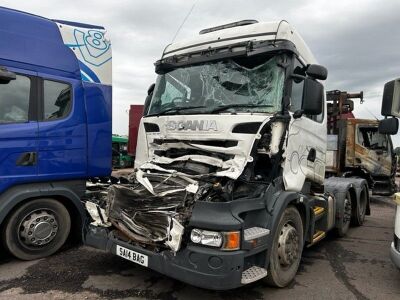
x=319, y=235
x=252, y=274
x=318, y=210
x=255, y=233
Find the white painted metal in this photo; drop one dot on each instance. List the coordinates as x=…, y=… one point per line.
x=303, y=135
x=232, y=168
x=281, y=30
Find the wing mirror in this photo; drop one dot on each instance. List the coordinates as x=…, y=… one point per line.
x=313, y=97
x=389, y=126
x=391, y=99
x=317, y=71
x=6, y=76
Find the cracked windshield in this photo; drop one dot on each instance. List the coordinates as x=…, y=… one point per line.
x=234, y=85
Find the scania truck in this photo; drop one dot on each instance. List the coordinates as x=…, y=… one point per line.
x=55, y=127
x=229, y=183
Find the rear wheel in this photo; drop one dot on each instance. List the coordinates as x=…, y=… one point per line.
x=36, y=229
x=287, y=247
x=344, y=223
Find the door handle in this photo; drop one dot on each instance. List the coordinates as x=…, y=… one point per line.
x=312, y=155
x=27, y=159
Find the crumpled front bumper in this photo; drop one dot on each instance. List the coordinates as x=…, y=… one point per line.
x=199, y=266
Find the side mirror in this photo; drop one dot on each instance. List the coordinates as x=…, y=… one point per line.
x=313, y=97
x=6, y=76
x=391, y=99
x=317, y=71
x=389, y=126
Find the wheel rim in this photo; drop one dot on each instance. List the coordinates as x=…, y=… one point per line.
x=288, y=245
x=38, y=228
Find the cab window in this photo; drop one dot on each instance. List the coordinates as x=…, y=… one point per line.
x=57, y=100
x=14, y=100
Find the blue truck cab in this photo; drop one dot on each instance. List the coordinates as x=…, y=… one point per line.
x=55, y=127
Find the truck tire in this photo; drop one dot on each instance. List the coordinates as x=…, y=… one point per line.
x=36, y=229
x=286, y=250
x=360, y=210
x=343, y=223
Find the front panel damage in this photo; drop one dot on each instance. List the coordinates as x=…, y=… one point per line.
x=213, y=155
x=152, y=206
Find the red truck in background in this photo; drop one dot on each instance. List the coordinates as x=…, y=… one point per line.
x=135, y=114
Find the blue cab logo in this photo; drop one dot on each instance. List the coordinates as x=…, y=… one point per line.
x=94, y=48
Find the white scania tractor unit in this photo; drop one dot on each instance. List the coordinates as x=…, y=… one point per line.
x=229, y=183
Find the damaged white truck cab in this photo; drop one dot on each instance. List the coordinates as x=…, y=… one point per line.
x=230, y=181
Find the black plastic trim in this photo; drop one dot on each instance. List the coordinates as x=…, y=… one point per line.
x=151, y=127
x=221, y=40
x=247, y=128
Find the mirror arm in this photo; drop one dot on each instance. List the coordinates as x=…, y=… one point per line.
x=298, y=77
x=298, y=114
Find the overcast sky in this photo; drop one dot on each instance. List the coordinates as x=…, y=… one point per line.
x=358, y=41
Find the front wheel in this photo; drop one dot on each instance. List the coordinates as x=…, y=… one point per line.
x=286, y=250
x=36, y=229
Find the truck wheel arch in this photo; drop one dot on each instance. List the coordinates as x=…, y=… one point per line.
x=18, y=195
x=285, y=199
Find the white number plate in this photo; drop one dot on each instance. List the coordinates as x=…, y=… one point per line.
x=136, y=257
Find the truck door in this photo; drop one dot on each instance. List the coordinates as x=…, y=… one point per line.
x=62, y=129
x=18, y=129
x=306, y=143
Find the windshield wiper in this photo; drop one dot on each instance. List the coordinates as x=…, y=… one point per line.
x=174, y=109
x=225, y=107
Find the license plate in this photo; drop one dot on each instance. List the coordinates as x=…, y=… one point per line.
x=134, y=256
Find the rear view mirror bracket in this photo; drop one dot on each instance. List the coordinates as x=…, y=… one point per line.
x=6, y=76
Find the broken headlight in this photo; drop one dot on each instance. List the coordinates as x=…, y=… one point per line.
x=224, y=240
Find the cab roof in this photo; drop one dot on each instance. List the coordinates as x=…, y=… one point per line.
x=247, y=30
x=34, y=43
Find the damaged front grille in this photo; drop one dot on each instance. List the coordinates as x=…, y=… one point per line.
x=153, y=210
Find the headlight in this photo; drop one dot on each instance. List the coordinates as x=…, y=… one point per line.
x=207, y=238
x=224, y=240
x=195, y=236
